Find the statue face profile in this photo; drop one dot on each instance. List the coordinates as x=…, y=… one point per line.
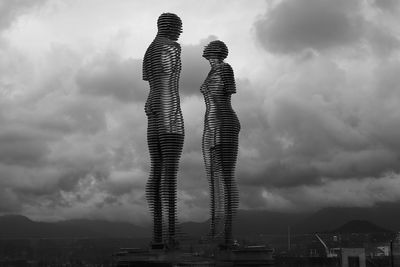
x=215, y=50
x=169, y=26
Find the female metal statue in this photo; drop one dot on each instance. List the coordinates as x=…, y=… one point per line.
x=165, y=132
x=220, y=141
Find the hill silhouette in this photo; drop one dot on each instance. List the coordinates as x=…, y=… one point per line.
x=17, y=226
x=265, y=222
x=359, y=226
x=248, y=222
x=324, y=220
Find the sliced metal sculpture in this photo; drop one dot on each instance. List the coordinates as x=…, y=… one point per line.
x=220, y=141
x=165, y=132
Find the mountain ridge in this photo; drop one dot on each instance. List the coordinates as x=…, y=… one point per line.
x=248, y=222
x=359, y=226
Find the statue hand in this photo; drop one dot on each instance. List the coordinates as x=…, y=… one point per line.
x=147, y=109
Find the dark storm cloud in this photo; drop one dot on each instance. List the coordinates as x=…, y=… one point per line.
x=314, y=121
x=83, y=116
x=318, y=126
x=387, y=81
x=21, y=148
x=109, y=75
x=387, y=5
x=283, y=174
x=251, y=196
x=294, y=25
x=382, y=40
x=61, y=145
x=9, y=202
x=9, y=10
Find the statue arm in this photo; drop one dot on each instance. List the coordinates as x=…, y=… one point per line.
x=145, y=66
x=170, y=58
x=228, y=79
x=170, y=62
x=145, y=77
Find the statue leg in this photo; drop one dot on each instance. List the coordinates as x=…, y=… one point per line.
x=171, y=149
x=206, y=147
x=216, y=170
x=229, y=151
x=153, y=187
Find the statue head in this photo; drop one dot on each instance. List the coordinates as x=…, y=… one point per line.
x=215, y=50
x=169, y=26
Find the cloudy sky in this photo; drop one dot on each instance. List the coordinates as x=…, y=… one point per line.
x=318, y=98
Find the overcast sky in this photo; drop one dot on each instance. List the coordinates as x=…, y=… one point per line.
x=318, y=97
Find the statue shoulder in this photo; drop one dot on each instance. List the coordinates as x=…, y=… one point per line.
x=227, y=69
x=167, y=42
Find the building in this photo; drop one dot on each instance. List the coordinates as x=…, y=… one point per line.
x=253, y=256
x=353, y=257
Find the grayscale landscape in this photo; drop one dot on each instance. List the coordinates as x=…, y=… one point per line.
x=317, y=97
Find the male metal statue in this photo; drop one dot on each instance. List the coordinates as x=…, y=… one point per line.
x=220, y=141
x=165, y=132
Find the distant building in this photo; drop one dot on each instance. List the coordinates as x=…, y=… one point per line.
x=253, y=256
x=353, y=257
x=381, y=251
x=136, y=257
x=395, y=250
x=319, y=247
x=244, y=256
